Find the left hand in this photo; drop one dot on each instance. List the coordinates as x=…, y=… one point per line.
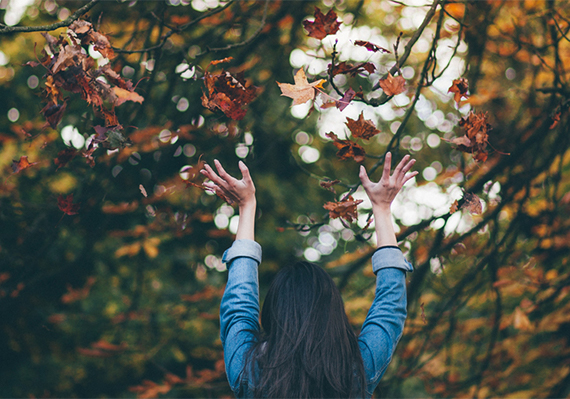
x=240, y=192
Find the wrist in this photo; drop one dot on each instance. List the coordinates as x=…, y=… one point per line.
x=248, y=205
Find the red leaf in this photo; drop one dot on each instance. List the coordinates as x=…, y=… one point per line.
x=67, y=206
x=393, y=85
x=323, y=25
x=370, y=46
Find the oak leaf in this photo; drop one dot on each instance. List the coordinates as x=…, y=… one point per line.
x=323, y=25
x=393, y=85
x=23, y=163
x=302, y=91
x=370, y=46
x=459, y=88
x=67, y=206
x=347, y=148
x=345, y=209
x=362, y=128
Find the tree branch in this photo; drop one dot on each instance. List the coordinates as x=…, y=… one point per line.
x=45, y=28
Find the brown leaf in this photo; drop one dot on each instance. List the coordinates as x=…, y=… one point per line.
x=347, y=148
x=469, y=202
x=23, y=163
x=352, y=70
x=64, y=156
x=393, y=85
x=302, y=91
x=323, y=25
x=227, y=93
x=370, y=46
x=345, y=209
x=53, y=113
x=67, y=206
x=362, y=128
x=423, y=313
x=328, y=184
x=459, y=87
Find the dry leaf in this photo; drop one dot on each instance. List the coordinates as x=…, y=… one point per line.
x=393, y=85
x=302, y=91
x=362, y=128
x=370, y=46
x=347, y=148
x=459, y=87
x=323, y=25
x=126, y=95
x=345, y=209
x=23, y=163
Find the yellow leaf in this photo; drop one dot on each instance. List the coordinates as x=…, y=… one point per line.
x=126, y=95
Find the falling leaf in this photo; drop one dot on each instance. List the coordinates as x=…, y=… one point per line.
x=476, y=135
x=370, y=46
x=423, y=313
x=328, y=184
x=345, y=209
x=227, y=93
x=349, y=69
x=323, y=25
x=393, y=85
x=521, y=320
x=302, y=91
x=64, y=157
x=459, y=87
x=469, y=202
x=555, y=120
x=143, y=191
x=362, y=128
x=346, y=99
x=67, y=206
x=347, y=148
x=54, y=113
x=23, y=163
x=126, y=95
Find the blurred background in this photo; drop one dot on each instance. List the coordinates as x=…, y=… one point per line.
x=114, y=291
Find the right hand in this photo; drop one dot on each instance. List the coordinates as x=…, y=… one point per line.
x=240, y=192
x=383, y=192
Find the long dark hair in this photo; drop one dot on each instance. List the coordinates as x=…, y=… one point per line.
x=307, y=348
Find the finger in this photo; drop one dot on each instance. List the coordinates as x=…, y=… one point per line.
x=400, y=166
x=214, y=176
x=364, y=177
x=244, y=172
x=408, y=166
x=409, y=176
x=223, y=174
x=387, y=166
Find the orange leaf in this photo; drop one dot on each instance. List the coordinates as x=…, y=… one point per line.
x=328, y=184
x=345, y=209
x=459, y=87
x=393, y=85
x=23, y=163
x=126, y=95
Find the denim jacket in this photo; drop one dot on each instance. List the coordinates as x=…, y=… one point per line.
x=239, y=313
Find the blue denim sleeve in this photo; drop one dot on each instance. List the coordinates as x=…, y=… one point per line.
x=384, y=323
x=239, y=310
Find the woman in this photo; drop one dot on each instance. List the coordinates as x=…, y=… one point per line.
x=307, y=348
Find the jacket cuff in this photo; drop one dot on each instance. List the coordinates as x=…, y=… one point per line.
x=247, y=248
x=386, y=257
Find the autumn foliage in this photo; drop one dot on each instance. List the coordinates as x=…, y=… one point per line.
x=111, y=267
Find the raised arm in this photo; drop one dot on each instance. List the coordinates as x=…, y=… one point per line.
x=239, y=310
x=384, y=323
